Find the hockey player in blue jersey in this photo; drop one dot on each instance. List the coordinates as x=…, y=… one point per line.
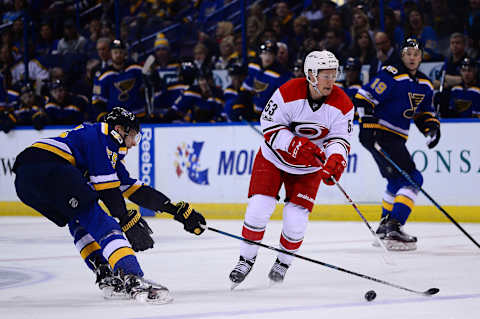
x=386, y=106
x=64, y=177
x=120, y=84
x=465, y=98
x=63, y=107
x=264, y=77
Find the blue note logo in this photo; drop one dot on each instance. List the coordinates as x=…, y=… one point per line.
x=188, y=161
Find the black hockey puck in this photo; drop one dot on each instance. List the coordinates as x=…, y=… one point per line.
x=370, y=295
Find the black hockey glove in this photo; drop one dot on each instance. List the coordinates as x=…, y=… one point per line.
x=39, y=120
x=190, y=218
x=433, y=136
x=368, y=131
x=137, y=231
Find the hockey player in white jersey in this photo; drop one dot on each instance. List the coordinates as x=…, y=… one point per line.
x=307, y=125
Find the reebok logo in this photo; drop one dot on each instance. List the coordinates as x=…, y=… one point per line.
x=306, y=197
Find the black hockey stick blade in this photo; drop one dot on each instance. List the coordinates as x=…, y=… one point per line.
x=431, y=292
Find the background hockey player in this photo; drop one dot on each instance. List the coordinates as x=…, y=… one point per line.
x=386, y=106
x=63, y=177
x=306, y=122
x=465, y=98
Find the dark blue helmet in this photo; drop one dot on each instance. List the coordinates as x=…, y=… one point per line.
x=188, y=72
x=117, y=44
x=123, y=117
x=268, y=46
x=468, y=63
x=56, y=84
x=410, y=43
x=353, y=63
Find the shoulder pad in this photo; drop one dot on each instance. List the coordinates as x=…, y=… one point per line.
x=422, y=75
x=390, y=69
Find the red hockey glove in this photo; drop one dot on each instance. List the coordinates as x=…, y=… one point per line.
x=334, y=167
x=307, y=153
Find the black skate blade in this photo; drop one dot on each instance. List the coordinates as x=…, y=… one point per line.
x=234, y=285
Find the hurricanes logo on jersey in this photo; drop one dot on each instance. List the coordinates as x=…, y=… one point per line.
x=313, y=131
x=415, y=100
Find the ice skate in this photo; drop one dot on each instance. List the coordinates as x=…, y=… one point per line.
x=111, y=286
x=145, y=291
x=381, y=231
x=396, y=239
x=241, y=270
x=277, y=273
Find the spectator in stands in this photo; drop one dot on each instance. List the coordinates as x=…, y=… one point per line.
x=254, y=29
x=17, y=34
x=63, y=107
x=120, y=84
x=280, y=34
x=106, y=30
x=416, y=28
x=201, y=102
x=352, y=82
x=36, y=71
x=264, y=77
x=6, y=63
x=283, y=57
x=71, y=42
x=465, y=98
x=385, y=53
x=298, y=69
x=392, y=29
x=360, y=24
x=224, y=29
x=238, y=42
x=46, y=43
x=363, y=48
x=227, y=54
x=444, y=23
x=30, y=109
x=83, y=86
x=165, y=67
x=452, y=63
x=314, y=11
x=103, y=52
x=333, y=42
x=237, y=73
x=336, y=23
x=201, y=58
x=300, y=30
x=285, y=16
x=16, y=12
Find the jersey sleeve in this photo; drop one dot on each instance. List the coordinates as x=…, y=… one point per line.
x=375, y=92
x=128, y=185
x=338, y=138
x=100, y=160
x=275, y=122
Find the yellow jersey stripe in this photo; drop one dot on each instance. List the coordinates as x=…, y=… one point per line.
x=387, y=206
x=119, y=254
x=361, y=97
x=104, y=128
x=90, y=248
x=56, y=151
x=132, y=189
x=405, y=201
x=108, y=185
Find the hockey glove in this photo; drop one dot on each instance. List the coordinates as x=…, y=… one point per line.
x=334, y=167
x=368, y=131
x=433, y=136
x=137, y=231
x=307, y=153
x=39, y=120
x=190, y=218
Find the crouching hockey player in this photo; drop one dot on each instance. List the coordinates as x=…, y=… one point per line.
x=307, y=125
x=64, y=177
x=386, y=106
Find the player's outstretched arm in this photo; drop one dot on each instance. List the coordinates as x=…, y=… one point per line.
x=152, y=199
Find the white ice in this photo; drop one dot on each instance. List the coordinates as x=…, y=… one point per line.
x=42, y=275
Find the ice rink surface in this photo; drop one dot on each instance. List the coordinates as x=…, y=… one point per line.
x=43, y=276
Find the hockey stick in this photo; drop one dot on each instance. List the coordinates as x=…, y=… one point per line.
x=429, y=292
x=411, y=181
x=388, y=261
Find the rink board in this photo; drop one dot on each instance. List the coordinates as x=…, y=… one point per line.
x=210, y=166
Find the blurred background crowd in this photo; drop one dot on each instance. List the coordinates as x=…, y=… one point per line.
x=175, y=61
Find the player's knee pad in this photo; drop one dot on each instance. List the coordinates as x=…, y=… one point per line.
x=259, y=210
x=295, y=220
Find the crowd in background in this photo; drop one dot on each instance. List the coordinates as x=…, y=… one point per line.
x=85, y=57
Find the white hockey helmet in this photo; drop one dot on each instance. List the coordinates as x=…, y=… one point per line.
x=319, y=60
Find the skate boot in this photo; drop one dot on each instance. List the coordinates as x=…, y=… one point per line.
x=110, y=285
x=241, y=270
x=145, y=291
x=396, y=239
x=381, y=231
x=277, y=273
